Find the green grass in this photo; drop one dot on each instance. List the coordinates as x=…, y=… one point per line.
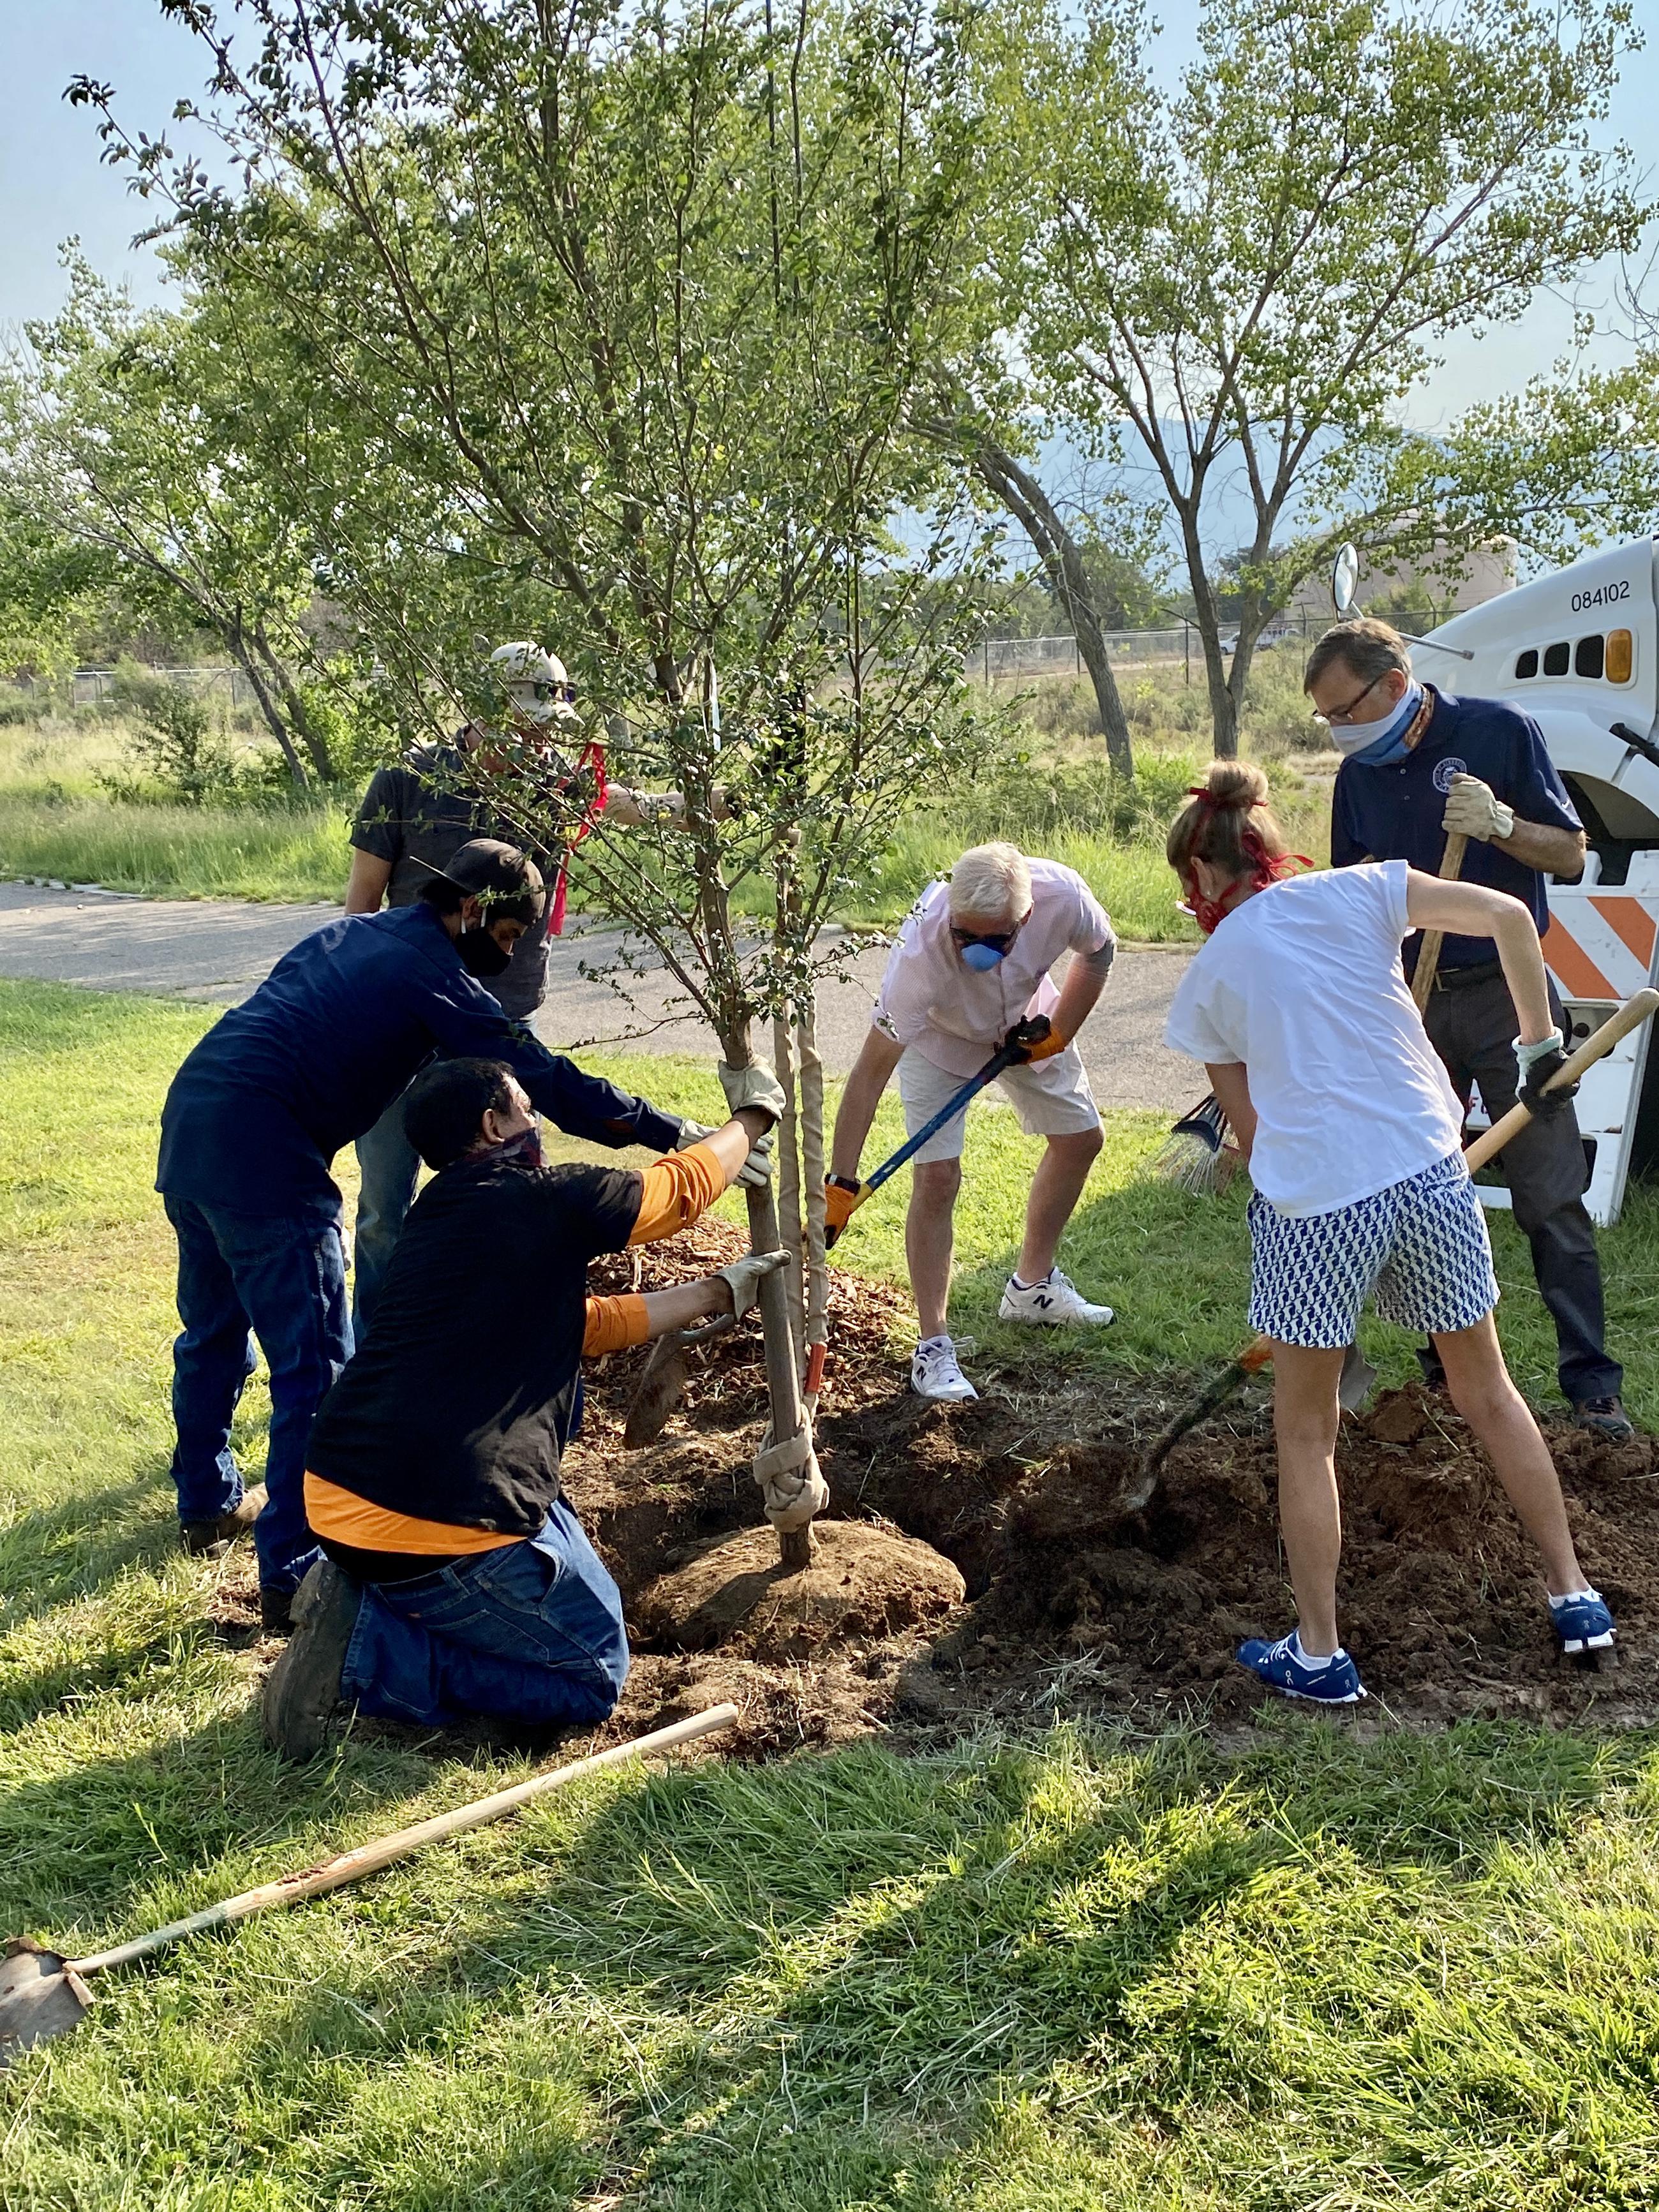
x=1051, y=1974
x=55, y=821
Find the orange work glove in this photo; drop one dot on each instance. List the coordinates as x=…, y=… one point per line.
x=1036, y=1039
x=842, y=1200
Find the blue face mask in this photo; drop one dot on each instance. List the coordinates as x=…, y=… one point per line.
x=1376, y=744
x=981, y=958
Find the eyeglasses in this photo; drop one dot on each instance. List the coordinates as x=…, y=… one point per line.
x=1343, y=715
x=544, y=694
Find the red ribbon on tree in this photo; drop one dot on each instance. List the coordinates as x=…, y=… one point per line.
x=592, y=758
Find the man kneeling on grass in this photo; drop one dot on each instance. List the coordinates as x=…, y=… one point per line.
x=458, y=1582
x=1298, y=1005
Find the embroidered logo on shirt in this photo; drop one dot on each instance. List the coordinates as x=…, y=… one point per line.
x=1445, y=770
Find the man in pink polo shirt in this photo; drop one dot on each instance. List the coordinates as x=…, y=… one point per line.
x=971, y=962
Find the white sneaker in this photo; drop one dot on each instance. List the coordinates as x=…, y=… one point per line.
x=1055, y=1303
x=934, y=1372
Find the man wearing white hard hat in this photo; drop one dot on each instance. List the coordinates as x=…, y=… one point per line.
x=413, y=818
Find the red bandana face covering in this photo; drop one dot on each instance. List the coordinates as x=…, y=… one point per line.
x=1209, y=914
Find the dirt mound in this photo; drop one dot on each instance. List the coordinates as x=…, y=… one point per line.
x=1442, y=1601
x=864, y=1584
x=1440, y=1595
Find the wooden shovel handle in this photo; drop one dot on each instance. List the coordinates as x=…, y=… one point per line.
x=1631, y=1016
x=1428, y=953
x=369, y=1858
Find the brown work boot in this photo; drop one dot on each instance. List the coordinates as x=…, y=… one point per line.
x=1604, y=1416
x=200, y=1536
x=302, y=1690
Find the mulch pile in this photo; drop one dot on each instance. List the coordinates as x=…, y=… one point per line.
x=1443, y=1603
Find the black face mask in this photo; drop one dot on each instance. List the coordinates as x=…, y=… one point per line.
x=480, y=954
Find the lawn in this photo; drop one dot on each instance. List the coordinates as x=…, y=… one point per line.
x=1055, y=1969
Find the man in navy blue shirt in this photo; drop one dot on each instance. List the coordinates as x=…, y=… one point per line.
x=1418, y=764
x=252, y=1121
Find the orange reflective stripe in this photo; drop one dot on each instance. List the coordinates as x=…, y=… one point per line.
x=349, y=1519
x=1572, y=967
x=1630, y=923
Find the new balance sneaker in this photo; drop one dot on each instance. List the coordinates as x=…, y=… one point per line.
x=1055, y=1303
x=1333, y=1682
x=1583, y=1622
x=934, y=1372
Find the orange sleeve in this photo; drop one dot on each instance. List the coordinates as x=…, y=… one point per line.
x=614, y=1323
x=676, y=1190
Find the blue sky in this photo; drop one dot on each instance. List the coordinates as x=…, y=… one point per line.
x=52, y=185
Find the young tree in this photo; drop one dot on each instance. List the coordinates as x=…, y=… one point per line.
x=627, y=310
x=119, y=432
x=1249, y=276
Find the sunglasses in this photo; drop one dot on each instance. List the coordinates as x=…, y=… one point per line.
x=998, y=940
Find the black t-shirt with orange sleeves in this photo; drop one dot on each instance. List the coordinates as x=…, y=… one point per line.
x=443, y=1436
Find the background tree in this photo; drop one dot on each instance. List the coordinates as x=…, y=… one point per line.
x=1246, y=277
x=120, y=432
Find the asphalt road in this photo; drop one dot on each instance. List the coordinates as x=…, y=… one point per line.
x=220, y=950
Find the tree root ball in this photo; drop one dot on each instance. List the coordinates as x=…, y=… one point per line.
x=864, y=1583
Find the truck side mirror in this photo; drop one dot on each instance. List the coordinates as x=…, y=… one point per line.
x=1345, y=582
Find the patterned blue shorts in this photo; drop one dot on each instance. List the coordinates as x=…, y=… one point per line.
x=1420, y=1248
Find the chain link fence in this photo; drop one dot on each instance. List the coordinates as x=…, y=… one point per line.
x=1174, y=644
x=91, y=687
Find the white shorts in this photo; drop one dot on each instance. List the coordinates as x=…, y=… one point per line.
x=1419, y=1248
x=1052, y=1098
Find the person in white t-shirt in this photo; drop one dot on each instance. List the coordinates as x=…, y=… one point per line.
x=1298, y=1007
x=970, y=964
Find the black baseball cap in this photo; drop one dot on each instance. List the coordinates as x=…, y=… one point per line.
x=506, y=882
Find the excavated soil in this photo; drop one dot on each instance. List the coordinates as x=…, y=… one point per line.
x=975, y=1560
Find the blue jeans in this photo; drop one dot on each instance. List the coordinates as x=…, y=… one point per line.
x=280, y=1279
x=390, y=1167
x=533, y=1631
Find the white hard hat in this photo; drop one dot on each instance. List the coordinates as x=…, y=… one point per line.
x=535, y=681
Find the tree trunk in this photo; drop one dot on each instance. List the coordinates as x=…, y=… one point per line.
x=1067, y=582
x=809, y=1082
x=294, y=704
x=795, y=1546
x=235, y=639
x=1224, y=714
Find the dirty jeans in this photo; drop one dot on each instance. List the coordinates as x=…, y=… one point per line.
x=531, y=1632
x=1471, y=1028
x=282, y=1279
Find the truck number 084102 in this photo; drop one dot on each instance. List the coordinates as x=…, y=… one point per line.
x=1604, y=595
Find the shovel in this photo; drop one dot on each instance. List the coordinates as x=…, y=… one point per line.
x=43, y=1995
x=662, y=1384
x=1255, y=1356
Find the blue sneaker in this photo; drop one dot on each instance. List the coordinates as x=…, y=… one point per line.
x=1582, y=1623
x=1282, y=1667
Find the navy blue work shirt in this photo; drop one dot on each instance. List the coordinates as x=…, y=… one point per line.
x=1394, y=812
x=336, y=1031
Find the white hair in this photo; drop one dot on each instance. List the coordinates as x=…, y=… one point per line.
x=991, y=883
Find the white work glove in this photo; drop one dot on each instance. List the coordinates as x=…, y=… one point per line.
x=792, y=1487
x=754, y=1086
x=744, y=1277
x=755, y=1170
x=1474, y=810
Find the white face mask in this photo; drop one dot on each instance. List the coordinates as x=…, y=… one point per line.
x=1380, y=742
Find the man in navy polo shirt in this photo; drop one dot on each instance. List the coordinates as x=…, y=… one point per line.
x=1418, y=764
x=252, y=1121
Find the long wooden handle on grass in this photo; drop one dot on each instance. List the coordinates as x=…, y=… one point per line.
x=369, y=1858
x=1631, y=1016
x=1428, y=953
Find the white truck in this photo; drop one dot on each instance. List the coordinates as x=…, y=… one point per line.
x=1579, y=652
